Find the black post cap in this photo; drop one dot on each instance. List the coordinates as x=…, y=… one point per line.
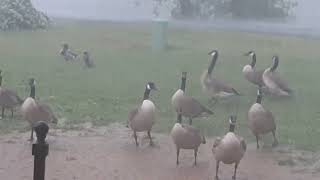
x=41, y=128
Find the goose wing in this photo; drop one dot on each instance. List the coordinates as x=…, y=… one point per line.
x=257, y=77
x=192, y=107
x=47, y=111
x=133, y=113
x=282, y=84
x=222, y=86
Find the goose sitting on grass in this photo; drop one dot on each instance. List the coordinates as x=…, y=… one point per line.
x=87, y=60
x=66, y=53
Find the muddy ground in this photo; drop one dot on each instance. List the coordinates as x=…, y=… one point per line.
x=109, y=153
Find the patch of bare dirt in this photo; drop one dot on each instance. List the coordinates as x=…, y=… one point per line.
x=110, y=153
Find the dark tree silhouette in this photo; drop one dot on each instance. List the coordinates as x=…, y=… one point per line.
x=236, y=8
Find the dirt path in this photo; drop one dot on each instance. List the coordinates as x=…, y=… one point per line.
x=110, y=153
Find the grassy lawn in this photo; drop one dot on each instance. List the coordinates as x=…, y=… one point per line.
x=124, y=63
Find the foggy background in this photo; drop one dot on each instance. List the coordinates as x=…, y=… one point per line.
x=306, y=21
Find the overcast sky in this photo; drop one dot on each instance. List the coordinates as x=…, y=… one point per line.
x=307, y=13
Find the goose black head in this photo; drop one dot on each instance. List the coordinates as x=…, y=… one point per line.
x=151, y=86
x=32, y=82
x=214, y=54
x=252, y=54
x=65, y=46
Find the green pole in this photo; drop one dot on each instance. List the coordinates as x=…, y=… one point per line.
x=159, y=34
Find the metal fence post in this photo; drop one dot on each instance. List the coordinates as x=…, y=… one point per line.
x=40, y=150
x=159, y=35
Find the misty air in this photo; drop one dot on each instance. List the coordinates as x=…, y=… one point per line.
x=159, y=89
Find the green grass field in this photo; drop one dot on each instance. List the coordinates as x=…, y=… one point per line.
x=124, y=63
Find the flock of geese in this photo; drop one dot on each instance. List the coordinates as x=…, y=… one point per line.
x=228, y=149
x=69, y=55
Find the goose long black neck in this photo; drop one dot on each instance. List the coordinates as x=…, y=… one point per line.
x=146, y=94
x=254, y=61
x=0, y=80
x=179, y=118
x=259, y=99
x=232, y=127
x=232, y=122
x=212, y=64
x=33, y=91
x=183, y=84
x=275, y=64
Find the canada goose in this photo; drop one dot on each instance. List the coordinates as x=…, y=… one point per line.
x=273, y=81
x=250, y=73
x=261, y=121
x=34, y=111
x=229, y=149
x=87, y=60
x=186, y=137
x=142, y=118
x=67, y=53
x=9, y=99
x=214, y=86
x=186, y=105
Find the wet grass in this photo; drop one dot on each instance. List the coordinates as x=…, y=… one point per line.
x=124, y=63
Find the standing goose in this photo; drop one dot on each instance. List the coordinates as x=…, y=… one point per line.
x=186, y=137
x=34, y=111
x=261, y=121
x=214, y=86
x=250, y=73
x=185, y=105
x=229, y=149
x=9, y=99
x=142, y=118
x=273, y=81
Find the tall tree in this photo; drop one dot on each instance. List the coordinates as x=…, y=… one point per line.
x=237, y=8
x=20, y=15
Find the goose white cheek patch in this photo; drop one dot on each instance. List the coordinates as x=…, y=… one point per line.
x=148, y=87
x=213, y=53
